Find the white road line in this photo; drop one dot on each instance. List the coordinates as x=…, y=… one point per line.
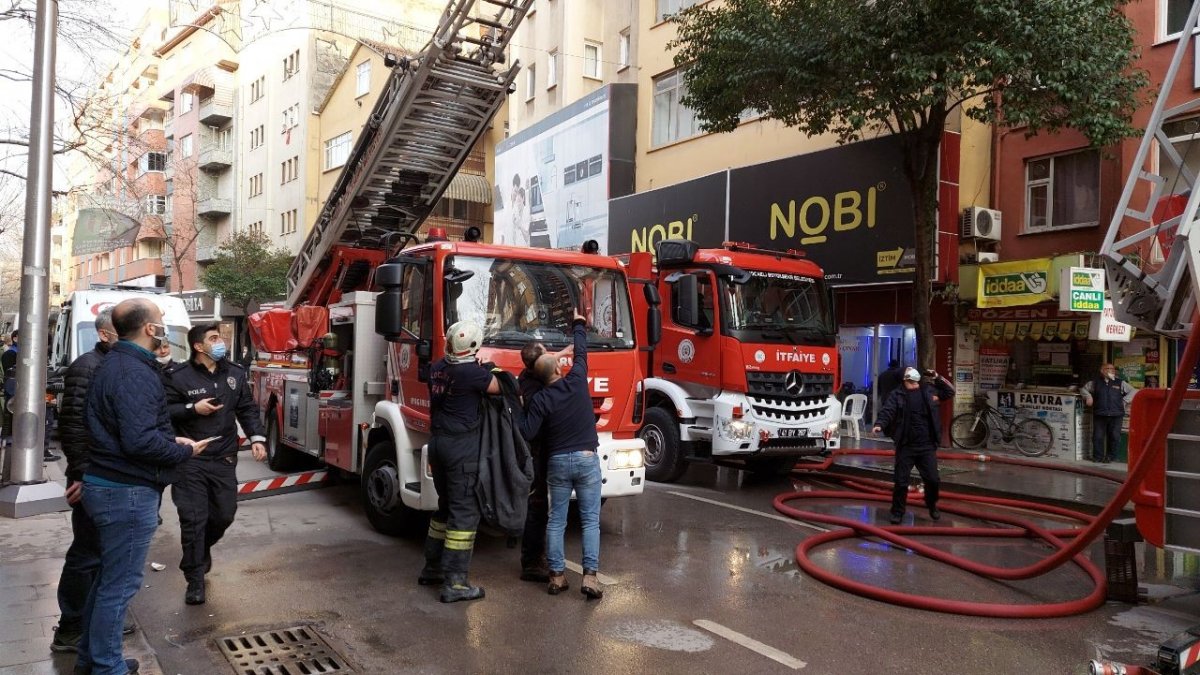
x=751, y=644
x=602, y=578
x=764, y=514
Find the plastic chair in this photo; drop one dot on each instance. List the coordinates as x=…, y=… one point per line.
x=854, y=408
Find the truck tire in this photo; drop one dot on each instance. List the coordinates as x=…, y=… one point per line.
x=381, y=495
x=664, y=458
x=771, y=466
x=280, y=457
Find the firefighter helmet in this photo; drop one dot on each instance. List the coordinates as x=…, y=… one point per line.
x=463, y=341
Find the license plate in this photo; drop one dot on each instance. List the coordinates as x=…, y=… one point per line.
x=793, y=433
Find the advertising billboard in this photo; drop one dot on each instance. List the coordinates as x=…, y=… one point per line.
x=554, y=179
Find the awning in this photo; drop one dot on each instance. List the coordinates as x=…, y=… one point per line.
x=469, y=187
x=98, y=230
x=203, y=78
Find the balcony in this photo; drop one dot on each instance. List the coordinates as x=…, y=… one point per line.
x=214, y=158
x=214, y=207
x=214, y=112
x=206, y=253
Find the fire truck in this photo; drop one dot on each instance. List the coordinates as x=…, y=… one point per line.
x=747, y=362
x=330, y=388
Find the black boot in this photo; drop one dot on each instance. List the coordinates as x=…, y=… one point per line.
x=431, y=574
x=456, y=586
x=195, y=592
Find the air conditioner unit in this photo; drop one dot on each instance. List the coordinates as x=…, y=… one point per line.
x=984, y=257
x=981, y=223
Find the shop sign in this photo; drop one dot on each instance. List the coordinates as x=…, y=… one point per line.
x=693, y=210
x=1106, y=328
x=1081, y=289
x=1024, y=282
x=198, y=303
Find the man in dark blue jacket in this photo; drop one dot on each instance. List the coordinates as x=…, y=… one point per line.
x=563, y=415
x=910, y=416
x=134, y=455
x=1108, y=397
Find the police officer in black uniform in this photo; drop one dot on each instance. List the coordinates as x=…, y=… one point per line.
x=457, y=384
x=206, y=396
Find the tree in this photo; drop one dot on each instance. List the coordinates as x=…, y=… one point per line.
x=858, y=68
x=247, y=271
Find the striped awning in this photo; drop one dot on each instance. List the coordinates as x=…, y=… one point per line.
x=469, y=187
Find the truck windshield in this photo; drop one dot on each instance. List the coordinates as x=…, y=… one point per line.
x=516, y=301
x=778, y=307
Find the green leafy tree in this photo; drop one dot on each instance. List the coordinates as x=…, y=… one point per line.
x=863, y=68
x=247, y=271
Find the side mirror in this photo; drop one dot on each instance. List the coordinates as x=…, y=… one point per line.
x=687, y=300
x=653, y=325
x=389, y=303
x=652, y=297
x=424, y=351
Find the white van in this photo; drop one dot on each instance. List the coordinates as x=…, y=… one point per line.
x=75, y=332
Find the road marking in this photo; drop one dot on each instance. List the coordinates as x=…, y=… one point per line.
x=602, y=578
x=751, y=644
x=764, y=514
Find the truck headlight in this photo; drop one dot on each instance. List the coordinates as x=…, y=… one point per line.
x=626, y=459
x=735, y=430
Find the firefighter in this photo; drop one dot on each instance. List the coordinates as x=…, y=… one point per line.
x=207, y=396
x=457, y=384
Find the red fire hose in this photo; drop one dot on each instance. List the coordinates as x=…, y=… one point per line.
x=1069, y=543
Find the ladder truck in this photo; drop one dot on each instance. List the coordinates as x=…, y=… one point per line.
x=330, y=388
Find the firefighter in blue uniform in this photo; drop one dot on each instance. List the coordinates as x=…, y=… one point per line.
x=207, y=396
x=457, y=385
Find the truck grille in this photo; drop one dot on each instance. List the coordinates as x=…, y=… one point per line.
x=771, y=400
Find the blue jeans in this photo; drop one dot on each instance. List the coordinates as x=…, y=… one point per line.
x=578, y=471
x=125, y=519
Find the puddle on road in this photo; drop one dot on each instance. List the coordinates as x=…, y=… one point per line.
x=662, y=634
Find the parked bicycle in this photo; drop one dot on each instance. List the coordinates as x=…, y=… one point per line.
x=1032, y=437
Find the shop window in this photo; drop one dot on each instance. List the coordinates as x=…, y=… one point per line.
x=672, y=120
x=1062, y=192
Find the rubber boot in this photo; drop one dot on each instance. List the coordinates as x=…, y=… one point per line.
x=435, y=542
x=456, y=586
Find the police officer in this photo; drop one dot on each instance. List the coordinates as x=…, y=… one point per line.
x=457, y=384
x=206, y=396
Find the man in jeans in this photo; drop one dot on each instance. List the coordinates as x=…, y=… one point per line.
x=83, y=556
x=562, y=413
x=134, y=455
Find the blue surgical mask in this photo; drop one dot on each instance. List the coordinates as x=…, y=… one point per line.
x=217, y=351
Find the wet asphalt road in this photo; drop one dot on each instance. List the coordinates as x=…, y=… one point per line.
x=311, y=558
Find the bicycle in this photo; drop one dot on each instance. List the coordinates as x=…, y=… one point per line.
x=1032, y=437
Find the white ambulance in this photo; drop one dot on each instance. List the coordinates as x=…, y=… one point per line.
x=75, y=332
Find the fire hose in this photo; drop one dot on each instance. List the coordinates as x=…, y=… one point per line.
x=1069, y=544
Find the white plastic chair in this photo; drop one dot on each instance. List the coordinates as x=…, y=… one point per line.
x=854, y=408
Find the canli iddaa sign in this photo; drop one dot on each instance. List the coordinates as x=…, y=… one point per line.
x=1081, y=289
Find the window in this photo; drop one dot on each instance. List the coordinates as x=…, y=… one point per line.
x=256, y=227
x=530, y=82
x=591, y=60
x=256, y=185
x=224, y=138
x=289, y=170
x=187, y=101
x=287, y=222
x=552, y=70
x=257, y=136
x=623, y=49
x=1062, y=191
x=152, y=161
x=156, y=204
x=362, y=79
x=671, y=120
x=337, y=150
x=668, y=7
x=1174, y=13
x=456, y=209
x=291, y=65
x=185, y=146
x=258, y=88
x=291, y=117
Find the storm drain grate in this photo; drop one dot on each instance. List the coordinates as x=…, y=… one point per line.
x=284, y=651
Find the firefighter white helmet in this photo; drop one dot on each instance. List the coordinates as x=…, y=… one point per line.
x=463, y=341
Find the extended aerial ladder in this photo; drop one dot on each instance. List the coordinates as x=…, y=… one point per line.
x=433, y=110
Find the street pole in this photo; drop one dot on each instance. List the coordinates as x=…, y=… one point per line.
x=26, y=490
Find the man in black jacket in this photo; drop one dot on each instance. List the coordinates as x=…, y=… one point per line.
x=207, y=396
x=83, y=556
x=910, y=416
x=132, y=457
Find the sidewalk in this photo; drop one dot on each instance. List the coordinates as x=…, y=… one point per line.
x=32, y=552
x=1059, y=488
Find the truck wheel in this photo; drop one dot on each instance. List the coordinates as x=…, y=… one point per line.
x=280, y=457
x=381, y=495
x=771, y=466
x=664, y=458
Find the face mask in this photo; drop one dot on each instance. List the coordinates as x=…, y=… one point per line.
x=217, y=351
x=159, y=337
x=1110, y=376
x=163, y=359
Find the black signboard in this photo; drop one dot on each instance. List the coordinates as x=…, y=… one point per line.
x=848, y=208
x=692, y=210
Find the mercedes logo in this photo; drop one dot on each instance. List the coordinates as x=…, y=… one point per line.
x=792, y=384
